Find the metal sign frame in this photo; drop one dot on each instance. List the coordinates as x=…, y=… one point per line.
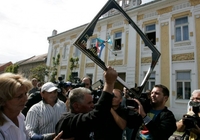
x=81, y=44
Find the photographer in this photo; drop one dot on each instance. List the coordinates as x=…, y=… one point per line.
x=159, y=123
x=96, y=93
x=189, y=124
x=88, y=82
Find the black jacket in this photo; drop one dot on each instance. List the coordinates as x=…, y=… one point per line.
x=33, y=98
x=161, y=128
x=108, y=128
x=81, y=125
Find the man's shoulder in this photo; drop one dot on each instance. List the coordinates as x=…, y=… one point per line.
x=60, y=102
x=36, y=106
x=166, y=113
x=66, y=117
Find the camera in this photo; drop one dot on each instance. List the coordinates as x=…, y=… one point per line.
x=60, y=85
x=191, y=121
x=77, y=83
x=97, y=88
x=143, y=98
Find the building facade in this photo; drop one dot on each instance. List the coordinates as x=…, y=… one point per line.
x=173, y=26
x=26, y=65
x=3, y=66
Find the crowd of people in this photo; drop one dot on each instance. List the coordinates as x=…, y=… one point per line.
x=31, y=110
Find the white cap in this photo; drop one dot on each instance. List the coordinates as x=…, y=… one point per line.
x=48, y=87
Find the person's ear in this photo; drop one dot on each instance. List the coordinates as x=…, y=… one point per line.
x=42, y=93
x=76, y=106
x=166, y=98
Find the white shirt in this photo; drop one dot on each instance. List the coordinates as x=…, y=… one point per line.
x=42, y=118
x=11, y=131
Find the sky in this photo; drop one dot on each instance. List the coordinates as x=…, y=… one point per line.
x=25, y=25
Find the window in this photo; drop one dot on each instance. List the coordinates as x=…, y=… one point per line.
x=55, y=52
x=63, y=76
x=117, y=40
x=76, y=52
x=93, y=43
x=151, y=82
x=127, y=2
x=150, y=31
x=181, y=29
x=65, y=52
x=75, y=78
x=118, y=85
x=91, y=76
x=183, y=84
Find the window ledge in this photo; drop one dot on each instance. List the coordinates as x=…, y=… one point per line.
x=182, y=101
x=182, y=43
x=117, y=51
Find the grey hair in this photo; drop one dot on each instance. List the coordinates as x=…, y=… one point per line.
x=196, y=91
x=77, y=95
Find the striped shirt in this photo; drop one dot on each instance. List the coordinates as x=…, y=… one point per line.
x=42, y=118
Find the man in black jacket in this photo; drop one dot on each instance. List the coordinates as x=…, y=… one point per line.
x=111, y=128
x=80, y=122
x=159, y=123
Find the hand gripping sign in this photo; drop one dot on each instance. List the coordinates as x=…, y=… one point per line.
x=81, y=44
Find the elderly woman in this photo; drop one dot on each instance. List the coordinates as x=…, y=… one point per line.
x=13, y=90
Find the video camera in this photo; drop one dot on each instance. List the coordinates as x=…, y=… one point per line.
x=77, y=83
x=97, y=88
x=60, y=85
x=190, y=121
x=143, y=98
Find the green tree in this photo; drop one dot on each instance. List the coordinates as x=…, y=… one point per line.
x=54, y=69
x=12, y=68
x=39, y=72
x=73, y=66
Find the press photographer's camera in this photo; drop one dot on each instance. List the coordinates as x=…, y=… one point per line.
x=143, y=98
x=191, y=121
x=97, y=88
x=76, y=83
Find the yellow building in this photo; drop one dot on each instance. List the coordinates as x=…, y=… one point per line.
x=173, y=26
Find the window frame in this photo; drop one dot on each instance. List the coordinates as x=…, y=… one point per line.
x=117, y=40
x=151, y=32
x=152, y=79
x=77, y=52
x=64, y=56
x=183, y=84
x=181, y=26
x=93, y=42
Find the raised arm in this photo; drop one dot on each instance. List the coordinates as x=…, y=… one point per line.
x=110, y=77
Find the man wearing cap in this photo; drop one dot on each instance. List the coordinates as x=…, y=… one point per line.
x=43, y=116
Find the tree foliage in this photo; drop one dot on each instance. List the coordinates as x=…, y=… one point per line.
x=12, y=68
x=73, y=66
x=39, y=72
x=54, y=69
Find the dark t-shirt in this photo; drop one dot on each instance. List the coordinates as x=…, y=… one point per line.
x=33, y=98
x=108, y=129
